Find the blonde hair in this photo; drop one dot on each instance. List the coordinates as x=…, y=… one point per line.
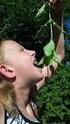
x=7, y=93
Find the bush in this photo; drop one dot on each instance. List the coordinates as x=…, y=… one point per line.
x=54, y=98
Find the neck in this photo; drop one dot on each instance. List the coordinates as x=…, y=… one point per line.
x=22, y=96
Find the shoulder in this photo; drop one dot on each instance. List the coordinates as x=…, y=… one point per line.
x=1, y=114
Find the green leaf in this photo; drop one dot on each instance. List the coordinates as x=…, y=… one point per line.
x=49, y=48
x=41, y=61
x=41, y=10
x=51, y=56
x=48, y=59
x=56, y=58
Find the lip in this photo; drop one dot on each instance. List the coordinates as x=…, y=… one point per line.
x=35, y=63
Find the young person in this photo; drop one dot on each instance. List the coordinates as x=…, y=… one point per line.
x=20, y=78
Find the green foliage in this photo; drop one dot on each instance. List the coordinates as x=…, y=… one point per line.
x=49, y=48
x=67, y=51
x=42, y=9
x=50, y=54
x=66, y=8
x=54, y=98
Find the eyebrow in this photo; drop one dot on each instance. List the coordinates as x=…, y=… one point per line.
x=21, y=47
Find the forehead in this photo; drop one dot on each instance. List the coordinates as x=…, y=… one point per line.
x=11, y=45
x=10, y=49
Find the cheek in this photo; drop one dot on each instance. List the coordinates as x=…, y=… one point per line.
x=24, y=67
x=22, y=64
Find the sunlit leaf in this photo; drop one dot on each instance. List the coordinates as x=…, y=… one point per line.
x=56, y=58
x=41, y=10
x=49, y=48
x=41, y=61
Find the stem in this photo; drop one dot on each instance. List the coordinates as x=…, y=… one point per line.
x=45, y=25
x=51, y=25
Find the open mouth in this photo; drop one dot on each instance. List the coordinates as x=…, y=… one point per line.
x=35, y=63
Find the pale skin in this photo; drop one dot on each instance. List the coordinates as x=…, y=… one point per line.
x=20, y=64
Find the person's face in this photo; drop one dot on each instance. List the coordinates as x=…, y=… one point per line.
x=23, y=62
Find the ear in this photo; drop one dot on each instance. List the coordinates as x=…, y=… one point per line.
x=7, y=71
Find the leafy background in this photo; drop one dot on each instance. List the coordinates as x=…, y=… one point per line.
x=54, y=98
x=17, y=22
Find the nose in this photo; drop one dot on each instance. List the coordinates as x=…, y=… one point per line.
x=31, y=52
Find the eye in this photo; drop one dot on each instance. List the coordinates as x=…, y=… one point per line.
x=22, y=49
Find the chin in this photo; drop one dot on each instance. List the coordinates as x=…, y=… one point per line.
x=39, y=75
